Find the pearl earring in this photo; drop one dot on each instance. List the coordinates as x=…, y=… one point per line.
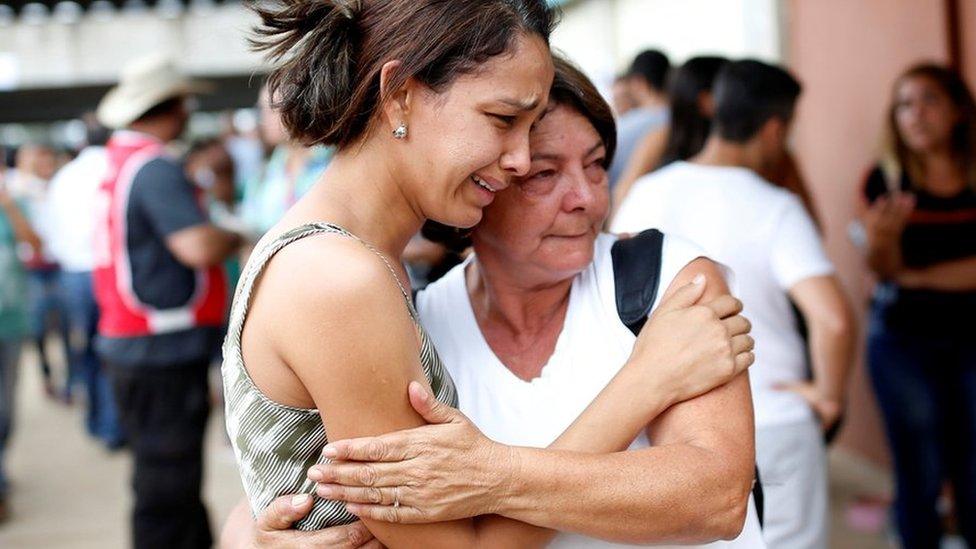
x=400, y=132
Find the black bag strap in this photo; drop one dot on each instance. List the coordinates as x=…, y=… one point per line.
x=636, y=271
x=636, y=275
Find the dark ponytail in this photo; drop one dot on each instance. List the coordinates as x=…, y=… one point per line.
x=689, y=125
x=329, y=53
x=316, y=44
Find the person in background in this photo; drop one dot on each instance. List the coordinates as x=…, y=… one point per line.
x=719, y=201
x=162, y=296
x=210, y=166
x=690, y=123
x=14, y=230
x=621, y=98
x=920, y=221
x=36, y=165
x=646, y=79
x=71, y=240
x=288, y=174
x=242, y=139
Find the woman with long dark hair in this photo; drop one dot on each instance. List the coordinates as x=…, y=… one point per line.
x=920, y=221
x=690, y=121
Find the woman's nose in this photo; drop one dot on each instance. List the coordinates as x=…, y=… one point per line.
x=583, y=194
x=517, y=160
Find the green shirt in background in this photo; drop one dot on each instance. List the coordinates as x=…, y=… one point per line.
x=13, y=290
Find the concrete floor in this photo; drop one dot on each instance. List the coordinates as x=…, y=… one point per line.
x=68, y=492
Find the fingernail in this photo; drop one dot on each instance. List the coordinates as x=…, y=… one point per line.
x=352, y=508
x=300, y=500
x=698, y=280
x=423, y=392
x=329, y=451
x=325, y=491
x=315, y=474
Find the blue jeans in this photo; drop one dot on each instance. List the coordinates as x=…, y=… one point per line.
x=44, y=299
x=9, y=361
x=926, y=387
x=102, y=418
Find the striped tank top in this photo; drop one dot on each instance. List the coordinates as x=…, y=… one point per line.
x=276, y=444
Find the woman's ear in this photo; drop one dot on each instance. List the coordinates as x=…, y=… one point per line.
x=396, y=103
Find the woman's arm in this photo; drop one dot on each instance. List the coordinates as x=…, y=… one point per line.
x=23, y=232
x=884, y=222
x=346, y=333
x=272, y=530
x=692, y=486
x=441, y=470
x=948, y=276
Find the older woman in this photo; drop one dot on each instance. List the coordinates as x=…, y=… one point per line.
x=528, y=328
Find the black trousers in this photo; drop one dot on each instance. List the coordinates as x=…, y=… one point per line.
x=164, y=413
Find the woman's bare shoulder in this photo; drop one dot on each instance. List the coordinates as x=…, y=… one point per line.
x=327, y=269
x=715, y=283
x=327, y=285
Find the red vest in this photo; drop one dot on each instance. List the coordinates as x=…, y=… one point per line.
x=122, y=314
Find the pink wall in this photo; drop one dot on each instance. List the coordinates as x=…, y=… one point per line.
x=847, y=54
x=967, y=22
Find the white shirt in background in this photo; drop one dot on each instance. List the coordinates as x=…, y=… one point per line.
x=591, y=348
x=71, y=206
x=766, y=237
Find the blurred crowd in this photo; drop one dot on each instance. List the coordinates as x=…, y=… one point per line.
x=917, y=232
x=916, y=229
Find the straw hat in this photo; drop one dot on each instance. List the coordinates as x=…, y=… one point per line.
x=145, y=83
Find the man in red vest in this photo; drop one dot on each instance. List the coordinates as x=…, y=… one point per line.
x=162, y=297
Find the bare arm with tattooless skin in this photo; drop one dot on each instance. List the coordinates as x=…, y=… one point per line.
x=702, y=459
x=272, y=529
x=464, y=476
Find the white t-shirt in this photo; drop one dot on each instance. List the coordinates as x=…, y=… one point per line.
x=766, y=237
x=591, y=348
x=71, y=201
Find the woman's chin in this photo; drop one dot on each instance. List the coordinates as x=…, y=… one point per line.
x=469, y=217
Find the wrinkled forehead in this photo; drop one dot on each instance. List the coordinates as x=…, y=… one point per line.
x=559, y=125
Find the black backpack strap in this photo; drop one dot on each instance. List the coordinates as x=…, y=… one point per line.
x=758, y=497
x=636, y=275
x=636, y=271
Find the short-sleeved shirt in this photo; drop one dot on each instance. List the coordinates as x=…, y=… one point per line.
x=940, y=229
x=764, y=234
x=591, y=349
x=161, y=202
x=13, y=305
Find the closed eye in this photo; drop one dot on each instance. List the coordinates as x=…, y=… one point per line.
x=543, y=174
x=507, y=120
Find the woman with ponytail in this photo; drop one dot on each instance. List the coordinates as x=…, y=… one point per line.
x=429, y=104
